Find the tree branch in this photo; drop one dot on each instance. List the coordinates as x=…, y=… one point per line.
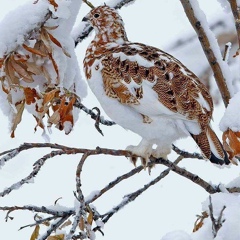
x=236, y=15
x=208, y=49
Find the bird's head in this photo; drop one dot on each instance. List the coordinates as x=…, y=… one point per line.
x=106, y=20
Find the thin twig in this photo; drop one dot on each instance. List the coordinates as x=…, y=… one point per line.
x=94, y=116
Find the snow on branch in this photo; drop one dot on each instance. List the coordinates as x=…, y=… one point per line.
x=211, y=49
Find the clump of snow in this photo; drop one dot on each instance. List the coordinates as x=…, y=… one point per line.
x=231, y=117
x=18, y=23
x=234, y=183
x=177, y=235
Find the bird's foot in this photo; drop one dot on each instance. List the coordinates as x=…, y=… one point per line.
x=142, y=151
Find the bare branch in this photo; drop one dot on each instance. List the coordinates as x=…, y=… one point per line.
x=208, y=50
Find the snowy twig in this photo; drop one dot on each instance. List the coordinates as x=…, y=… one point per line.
x=186, y=154
x=208, y=49
x=236, y=14
x=216, y=224
x=87, y=29
x=53, y=227
x=38, y=222
x=226, y=51
x=33, y=208
x=114, y=183
x=37, y=166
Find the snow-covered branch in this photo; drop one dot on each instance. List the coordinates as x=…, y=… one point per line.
x=236, y=14
x=211, y=49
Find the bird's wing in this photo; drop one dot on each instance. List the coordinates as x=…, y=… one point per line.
x=155, y=83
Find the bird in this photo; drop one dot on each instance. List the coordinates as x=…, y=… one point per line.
x=148, y=91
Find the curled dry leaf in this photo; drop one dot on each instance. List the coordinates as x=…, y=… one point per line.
x=199, y=222
x=231, y=143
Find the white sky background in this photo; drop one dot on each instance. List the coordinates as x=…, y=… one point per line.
x=170, y=205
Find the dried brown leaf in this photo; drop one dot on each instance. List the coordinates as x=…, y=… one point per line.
x=21, y=71
x=55, y=5
x=55, y=67
x=18, y=117
x=34, y=68
x=56, y=237
x=231, y=143
x=54, y=40
x=90, y=217
x=35, y=51
x=30, y=95
x=35, y=233
x=10, y=73
x=46, y=75
x=46, y=40
x=67, y=223
x=66, y=53
x=55, y=118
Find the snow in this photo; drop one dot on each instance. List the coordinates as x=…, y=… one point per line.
x=177, y=235
x=16, y=25
x=231, y=117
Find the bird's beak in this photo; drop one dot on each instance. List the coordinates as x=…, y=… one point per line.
x=85, y=19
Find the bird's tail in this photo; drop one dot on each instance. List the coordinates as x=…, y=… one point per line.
x=211, y=147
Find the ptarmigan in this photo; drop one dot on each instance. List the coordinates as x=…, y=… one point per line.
x=148, y=91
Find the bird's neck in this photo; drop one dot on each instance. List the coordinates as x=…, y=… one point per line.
x=108, y=37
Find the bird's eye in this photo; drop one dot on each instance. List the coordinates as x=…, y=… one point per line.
x=96, y=15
